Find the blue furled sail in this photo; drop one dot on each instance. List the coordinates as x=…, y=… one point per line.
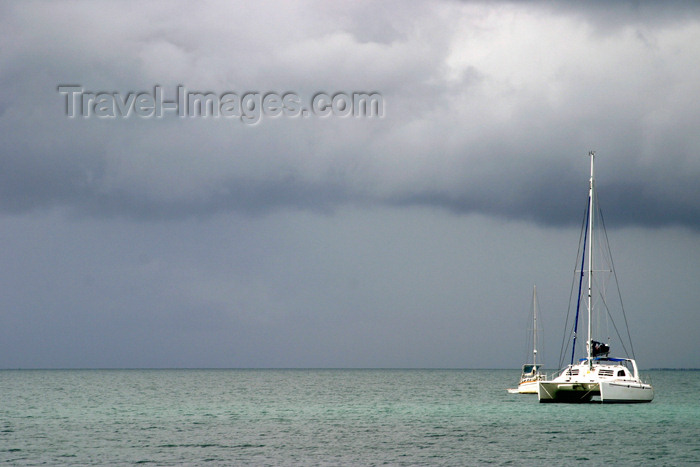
x=580, y=283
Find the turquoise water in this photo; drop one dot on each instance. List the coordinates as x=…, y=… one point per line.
x=332, y=417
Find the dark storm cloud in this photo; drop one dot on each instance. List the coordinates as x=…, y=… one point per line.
x=490, y=108
x=408, y=240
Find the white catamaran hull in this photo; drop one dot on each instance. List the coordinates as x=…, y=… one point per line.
x=606, y=392
x=625, y=392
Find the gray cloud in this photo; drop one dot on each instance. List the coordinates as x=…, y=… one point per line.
x=485, y=105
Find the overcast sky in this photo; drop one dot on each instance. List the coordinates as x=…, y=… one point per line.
x=410, y=239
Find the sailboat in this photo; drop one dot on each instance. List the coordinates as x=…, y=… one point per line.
x=597, y=377
x=530, y=375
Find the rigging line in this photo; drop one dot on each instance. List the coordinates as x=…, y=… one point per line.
x=617, y=284
x=612, y=320
x=603, y=288
x=539, y=327
x=580, y=282
x=607, y=253
x=566, y=338
x=600, y=285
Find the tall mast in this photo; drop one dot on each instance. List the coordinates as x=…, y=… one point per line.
x=591, y=216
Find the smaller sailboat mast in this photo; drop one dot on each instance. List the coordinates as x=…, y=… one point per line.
x=530, y=374
x=534, y=325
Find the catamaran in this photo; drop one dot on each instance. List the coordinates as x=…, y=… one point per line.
x=530, y=375
x=597, y=377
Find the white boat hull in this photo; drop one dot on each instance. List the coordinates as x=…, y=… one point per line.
x=527, y=387
x=625, y=392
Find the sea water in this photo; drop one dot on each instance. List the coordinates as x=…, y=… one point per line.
x=332, y=417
